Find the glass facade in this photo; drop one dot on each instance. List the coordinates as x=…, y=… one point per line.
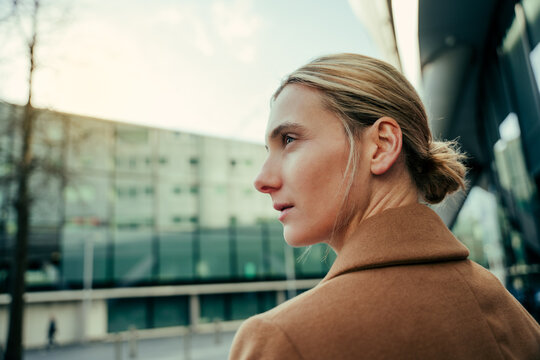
x=500, y=220
x=147, y=207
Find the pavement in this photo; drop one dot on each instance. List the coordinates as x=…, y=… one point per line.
x=199, y=347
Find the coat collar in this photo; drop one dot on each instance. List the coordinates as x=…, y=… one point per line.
x=411, y=234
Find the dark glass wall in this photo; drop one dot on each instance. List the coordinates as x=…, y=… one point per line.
x=142, y=206
x=500, y=222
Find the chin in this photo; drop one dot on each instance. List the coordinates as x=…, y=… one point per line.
x=297, y=238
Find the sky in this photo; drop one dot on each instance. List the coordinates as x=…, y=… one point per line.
x=202, y=66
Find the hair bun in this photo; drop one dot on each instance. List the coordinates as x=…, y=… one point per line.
x=443, y=171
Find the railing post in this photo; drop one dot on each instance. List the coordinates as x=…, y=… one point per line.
x=118, y=347
x=194, y=312
x=187, y=343
x=217, y=331
x=132, y=342
x=280, y=297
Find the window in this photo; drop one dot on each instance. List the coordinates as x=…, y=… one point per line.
x=132, y=135
x=535, y=63
x=510, y=162
x=82, y=193
x=477, y=226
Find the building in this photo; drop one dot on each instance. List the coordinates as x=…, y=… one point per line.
x=480, y=64
x=161, y=229
x=142, y=216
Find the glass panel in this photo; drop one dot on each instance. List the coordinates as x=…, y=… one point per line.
x=133, y=256
x=277, y=250
x=177, y=205
x=48, y=139
x=74, y=239
x=212, y=308
x=88, y=199
x=126, y=313
x=532, y=14
x=309, y=261
x=244, y=305
x=515, y=58
x=329, y=256
x=44, y=248
x=46, y=192
x=90, y=145
x=176, y=256
x=267, y=300
x=477, y=226
x=250, y=252
x=72, y=255
x=101, y=257
x=170, y=311
x=514, y=178
x=534, y=57
x=215, y=258
x=134, y=205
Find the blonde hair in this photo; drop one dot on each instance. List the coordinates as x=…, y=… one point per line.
x=361, y=90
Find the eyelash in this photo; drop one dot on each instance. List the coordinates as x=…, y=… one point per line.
x=286, y=137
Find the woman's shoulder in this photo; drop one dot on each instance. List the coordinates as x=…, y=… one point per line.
x=261, y=337
x=280, y=314
x=269, y=335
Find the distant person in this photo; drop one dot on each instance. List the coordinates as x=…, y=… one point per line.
x=51, y=332
x=350, y=163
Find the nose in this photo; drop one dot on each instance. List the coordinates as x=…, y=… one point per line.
x=268, y=180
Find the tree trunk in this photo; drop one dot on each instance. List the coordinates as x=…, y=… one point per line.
x=14, y=349
x=22, y=208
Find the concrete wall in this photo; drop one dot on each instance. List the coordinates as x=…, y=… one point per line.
x=69, y=322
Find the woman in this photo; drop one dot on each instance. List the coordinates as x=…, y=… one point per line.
x=350, y=155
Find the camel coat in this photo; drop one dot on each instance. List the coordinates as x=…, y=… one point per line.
x=403, y=288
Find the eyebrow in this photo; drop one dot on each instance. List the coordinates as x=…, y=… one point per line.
x=285, y=127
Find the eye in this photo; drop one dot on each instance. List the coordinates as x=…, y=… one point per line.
x=287, y=139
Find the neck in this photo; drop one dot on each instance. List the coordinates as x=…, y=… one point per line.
x=387, y=195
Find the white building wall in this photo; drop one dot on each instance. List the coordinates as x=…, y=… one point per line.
x=68, y=317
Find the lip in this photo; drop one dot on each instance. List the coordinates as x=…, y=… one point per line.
x=284, y=209
x=284, y=213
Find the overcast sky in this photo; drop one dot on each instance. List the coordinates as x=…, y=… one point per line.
x=201, y=66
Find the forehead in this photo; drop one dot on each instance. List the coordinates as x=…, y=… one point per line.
x=296, y=104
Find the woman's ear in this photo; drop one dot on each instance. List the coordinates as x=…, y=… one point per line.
x=386, y=134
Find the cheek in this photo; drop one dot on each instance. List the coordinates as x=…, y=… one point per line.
x=314, y=175
x=321, y=183
x=297, y=171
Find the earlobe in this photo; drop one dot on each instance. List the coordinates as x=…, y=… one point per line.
x=388, y=138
